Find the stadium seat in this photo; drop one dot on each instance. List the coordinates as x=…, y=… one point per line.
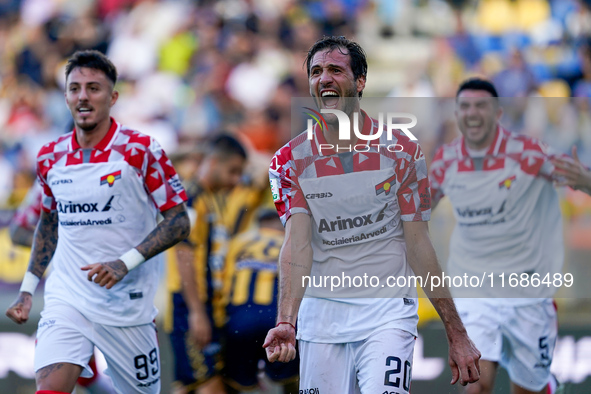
x=542, y=72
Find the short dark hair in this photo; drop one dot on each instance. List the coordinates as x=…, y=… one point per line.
x=226, y=145
x=477, y=84
x=92, y=59
x=356, y=54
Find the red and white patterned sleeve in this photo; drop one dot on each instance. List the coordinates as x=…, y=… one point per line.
x=414, y=198
x=45, y=160
x=436, y=176
x=161, y=180
x=287, y=194
x=536, y=157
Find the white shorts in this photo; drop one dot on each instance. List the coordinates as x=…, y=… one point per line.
x=132, y=355
x=520, y=338
x=381, y=363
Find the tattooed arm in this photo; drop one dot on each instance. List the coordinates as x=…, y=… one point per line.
x=174, y=228
x=44, y=244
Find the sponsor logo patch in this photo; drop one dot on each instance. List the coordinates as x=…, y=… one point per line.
x=110, y=179
x=176, y=184
x=275, y=189
x=314, y=390
x=348, y=223
x=313, y=196
x=135, y=295
x=61, y=182
x=507, y=182
x=386, y=186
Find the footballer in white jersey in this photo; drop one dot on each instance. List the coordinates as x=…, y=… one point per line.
x=104, y=186
x=353, y=213
x=357, y=202
x=107, y=199
x=507, y=214
x=508, y=222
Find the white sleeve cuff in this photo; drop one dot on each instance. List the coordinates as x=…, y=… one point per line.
x=30, y=282
x=132, y=259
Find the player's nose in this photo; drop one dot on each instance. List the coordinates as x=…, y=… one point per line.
x=82, y=95
x=471, y=110
x=325, y=78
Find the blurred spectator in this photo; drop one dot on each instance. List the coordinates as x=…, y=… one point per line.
x=516, y=80
x=190, y=68
x=578, y=21
x=463, y=43
x=582, y=87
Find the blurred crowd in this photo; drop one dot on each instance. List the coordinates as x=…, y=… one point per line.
x=192, y=68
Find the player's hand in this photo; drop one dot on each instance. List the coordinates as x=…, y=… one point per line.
x=20, y=308
x=106, y=274
x=571, y=172
x=464, y=360
x=199, y=329
x=280, y=343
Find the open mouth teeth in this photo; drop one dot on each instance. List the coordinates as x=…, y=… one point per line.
x=330, y=98
x=474, y=123
x=84, y=110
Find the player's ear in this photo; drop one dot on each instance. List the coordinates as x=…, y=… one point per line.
x=360, y=83
x=114, y=97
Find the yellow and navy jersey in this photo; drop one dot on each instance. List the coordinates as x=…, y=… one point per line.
x=251, y=269
x=216, y=218
x=242, y=203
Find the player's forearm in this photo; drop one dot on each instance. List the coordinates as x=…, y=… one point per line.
x=185, y=264
x=295, y=262
x=440, y=296
x=174, y=228
x=423, y=260
x=446, y=309
x=44, y=243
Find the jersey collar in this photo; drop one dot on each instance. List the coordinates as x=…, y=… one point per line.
x=368, y=129
x=103, y=144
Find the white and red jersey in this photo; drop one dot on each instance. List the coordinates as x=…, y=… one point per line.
x=107, y=200
x=357, y=201
x=507, y=214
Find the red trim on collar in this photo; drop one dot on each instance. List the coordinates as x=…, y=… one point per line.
x=102, y=144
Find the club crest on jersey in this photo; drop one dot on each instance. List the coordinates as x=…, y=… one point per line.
x=507, y=182
x=386, y=186
x=110, y=178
